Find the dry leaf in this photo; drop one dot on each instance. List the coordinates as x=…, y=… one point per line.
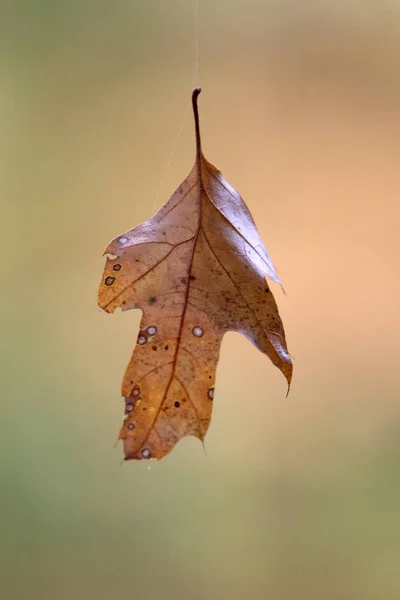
x=197, y=269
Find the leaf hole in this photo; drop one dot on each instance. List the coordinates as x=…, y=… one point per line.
x=197, y=331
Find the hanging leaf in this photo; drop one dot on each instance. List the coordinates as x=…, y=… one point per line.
x=197, y=269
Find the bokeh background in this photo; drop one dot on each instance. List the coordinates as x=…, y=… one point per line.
x=296, y=498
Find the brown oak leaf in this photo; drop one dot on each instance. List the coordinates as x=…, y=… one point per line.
x=197, y=269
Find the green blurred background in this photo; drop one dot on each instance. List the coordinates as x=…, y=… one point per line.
x=297, y=498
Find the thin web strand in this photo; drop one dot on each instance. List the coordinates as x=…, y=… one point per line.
x=195, y=83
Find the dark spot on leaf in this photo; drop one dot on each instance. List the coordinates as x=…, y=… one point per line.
x=166, y=347
x=210, y=377
x=123, y=302
x=267, y=290
x=109, y=280
x=154, y=348
x=152, y=300
x=192, y=278
x=177, y=404
x=117, y=267
x=183, y=280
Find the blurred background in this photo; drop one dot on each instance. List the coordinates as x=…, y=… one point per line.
x=296, y=498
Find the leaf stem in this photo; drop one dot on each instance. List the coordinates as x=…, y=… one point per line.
x=195, y=95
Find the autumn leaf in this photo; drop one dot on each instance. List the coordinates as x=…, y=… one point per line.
x=197, y=269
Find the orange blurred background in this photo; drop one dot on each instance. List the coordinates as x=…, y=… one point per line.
x=297, y=498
